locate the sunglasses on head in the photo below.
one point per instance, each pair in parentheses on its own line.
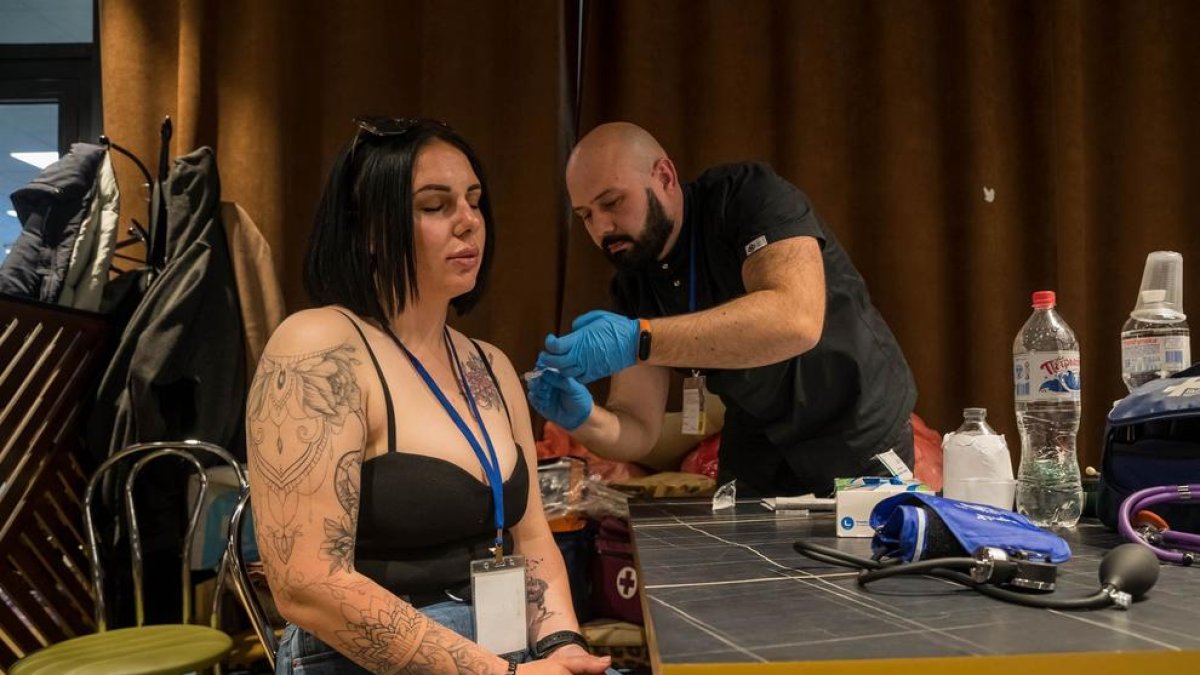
(390,127)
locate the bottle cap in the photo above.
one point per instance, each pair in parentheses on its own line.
(1043,299)
(1161,296)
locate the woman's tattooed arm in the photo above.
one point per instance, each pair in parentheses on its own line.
(306,430)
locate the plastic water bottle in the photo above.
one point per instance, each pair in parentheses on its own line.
(974,452)
(1156,341)
(1046,378)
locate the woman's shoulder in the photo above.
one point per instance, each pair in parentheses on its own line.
(495,356)
(312,330)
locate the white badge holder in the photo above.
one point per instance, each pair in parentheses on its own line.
(694,421)
(498,601)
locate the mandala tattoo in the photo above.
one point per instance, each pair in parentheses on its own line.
(347,479)
(443,651)
(314,395)
(371,634)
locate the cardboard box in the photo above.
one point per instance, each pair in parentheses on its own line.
(857,497)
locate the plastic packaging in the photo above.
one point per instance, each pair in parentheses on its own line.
(1156,340)
(975,458)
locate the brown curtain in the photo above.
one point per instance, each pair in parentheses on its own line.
(273,87)
(893,116)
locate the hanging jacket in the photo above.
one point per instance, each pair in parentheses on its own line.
(87,273)
(50,208)
(178,371)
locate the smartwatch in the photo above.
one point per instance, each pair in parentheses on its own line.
(643,342)
(553,641)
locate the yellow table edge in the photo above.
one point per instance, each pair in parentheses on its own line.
(1092,663)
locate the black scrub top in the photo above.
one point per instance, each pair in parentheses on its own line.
(790,427)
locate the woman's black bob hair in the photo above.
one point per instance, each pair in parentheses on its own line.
(360,252)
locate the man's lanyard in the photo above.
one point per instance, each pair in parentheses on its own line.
(491,465)
(662,309)
(692,271)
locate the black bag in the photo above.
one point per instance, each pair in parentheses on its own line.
(1152,439)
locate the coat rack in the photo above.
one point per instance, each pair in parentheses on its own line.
(154,234)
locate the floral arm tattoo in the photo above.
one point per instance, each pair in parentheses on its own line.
(306,430)
(295,408)
(478,377)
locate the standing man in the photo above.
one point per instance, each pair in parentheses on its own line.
(734,279)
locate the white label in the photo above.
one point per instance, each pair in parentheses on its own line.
(895,465)
(1161,355)
(1188,387)
(694,419)
(498,598)
(760,242)
(1046,376)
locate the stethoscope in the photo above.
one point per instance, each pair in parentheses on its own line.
(1144,527)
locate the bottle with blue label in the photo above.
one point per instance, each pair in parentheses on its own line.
(1046,394)
(1156,340)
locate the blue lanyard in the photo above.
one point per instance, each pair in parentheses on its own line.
(692,271)
(691,277)
(489,461)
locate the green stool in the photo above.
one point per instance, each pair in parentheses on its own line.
(147,650)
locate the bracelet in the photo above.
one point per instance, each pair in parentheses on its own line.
(512,668)
(562,638)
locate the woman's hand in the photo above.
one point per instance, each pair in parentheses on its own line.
(567,661)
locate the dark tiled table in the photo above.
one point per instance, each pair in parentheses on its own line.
(725,593)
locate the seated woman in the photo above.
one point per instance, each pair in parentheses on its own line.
(377,434)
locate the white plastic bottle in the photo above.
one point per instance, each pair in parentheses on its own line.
(1156,340)
(973,452)
(1046,393)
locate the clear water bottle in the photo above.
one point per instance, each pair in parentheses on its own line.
(1156,341)
(1046,379)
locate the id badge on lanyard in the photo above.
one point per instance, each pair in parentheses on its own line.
(498,599)
(498,602)
(694,421)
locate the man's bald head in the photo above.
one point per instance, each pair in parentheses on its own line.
(615,144)
(625,190)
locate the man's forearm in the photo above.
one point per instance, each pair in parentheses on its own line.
(615,434)
(757,329)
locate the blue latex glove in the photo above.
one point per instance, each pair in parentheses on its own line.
(600,343)
(561,400)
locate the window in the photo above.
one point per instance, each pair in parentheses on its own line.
(49,91)
(46,21)
(27,132)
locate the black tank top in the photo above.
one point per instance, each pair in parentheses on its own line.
(422,520)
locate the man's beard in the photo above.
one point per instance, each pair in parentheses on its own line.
(645,250)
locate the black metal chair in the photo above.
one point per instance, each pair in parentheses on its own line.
(156,649)
(242,585)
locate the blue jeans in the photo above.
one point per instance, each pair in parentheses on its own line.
(301,653)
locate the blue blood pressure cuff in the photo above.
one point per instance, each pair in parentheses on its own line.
(915,526)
